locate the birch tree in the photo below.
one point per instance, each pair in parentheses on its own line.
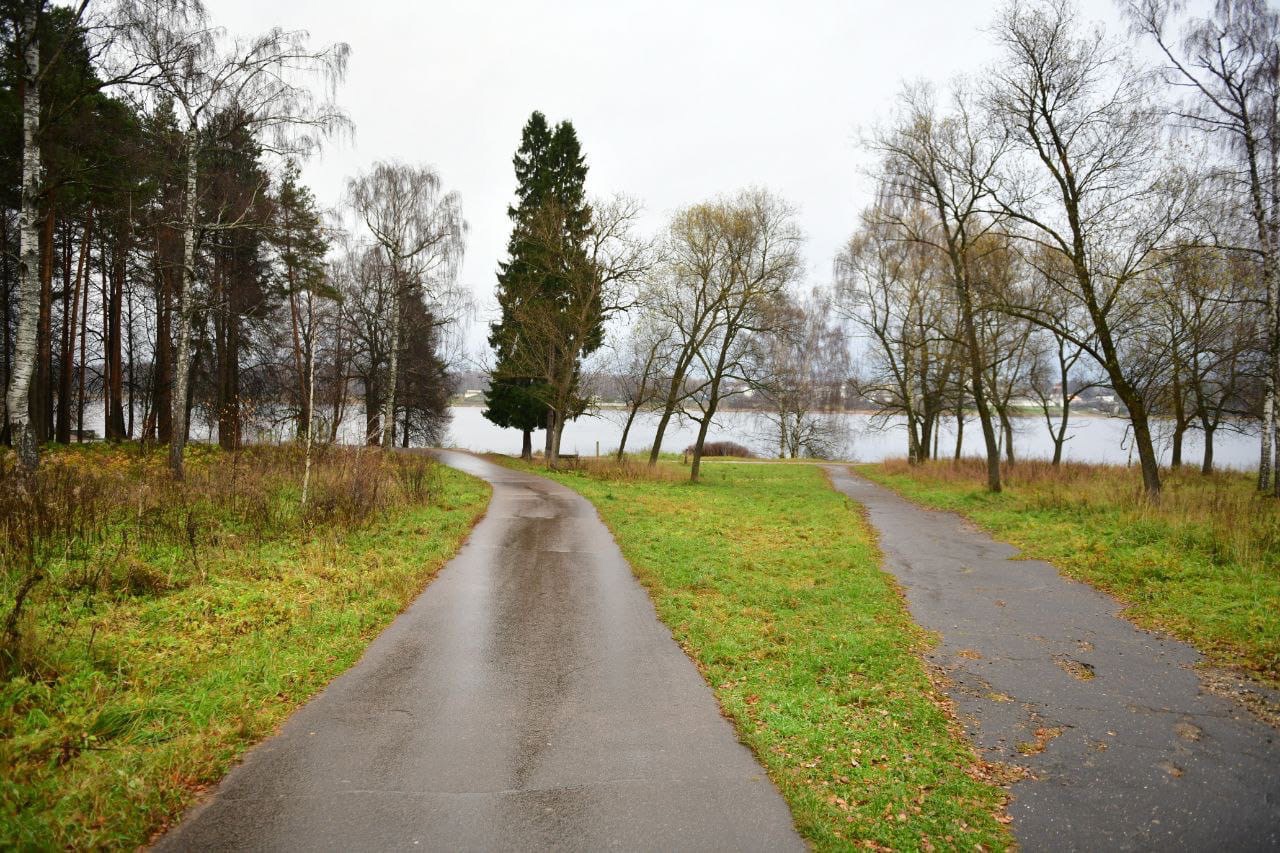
(806,366)
(265,81)
(1228,63)
(17,405)
(419,229)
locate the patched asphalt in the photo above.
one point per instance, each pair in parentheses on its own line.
(529,699)
(1135,754)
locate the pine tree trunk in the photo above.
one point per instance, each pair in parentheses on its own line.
(115,387)
(70,318)
(133,384)
(84,361)
(62,415)
(310,399)
(28,253)
(5,341)
(526,445)
(186,298)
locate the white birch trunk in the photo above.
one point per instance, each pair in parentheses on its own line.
(1269,377)
(17,402)
(1271,405)
(182,359)
(393,364)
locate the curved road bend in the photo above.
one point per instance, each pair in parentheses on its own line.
(1142,758)
(528,699)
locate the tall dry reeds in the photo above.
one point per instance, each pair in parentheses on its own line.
(1221,513)
(109,520)
(628,469)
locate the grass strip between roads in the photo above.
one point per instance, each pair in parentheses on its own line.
(1202,563)
(771,582)
(134,697)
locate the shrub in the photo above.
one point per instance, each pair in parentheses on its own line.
(723,448)
(99,518)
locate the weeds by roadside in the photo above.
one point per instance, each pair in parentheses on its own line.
(166,626)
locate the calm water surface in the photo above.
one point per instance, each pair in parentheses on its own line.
(866,439)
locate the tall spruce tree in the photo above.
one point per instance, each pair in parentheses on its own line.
(536,370)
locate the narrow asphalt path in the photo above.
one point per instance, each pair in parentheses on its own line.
(1136,756)
(529,699)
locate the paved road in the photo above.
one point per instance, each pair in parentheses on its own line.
(528,699)
(1145,759)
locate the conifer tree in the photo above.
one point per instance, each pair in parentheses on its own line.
(534,381)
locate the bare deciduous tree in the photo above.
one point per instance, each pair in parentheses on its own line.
(264,82)
(1229,63)
(943,163)
(419,229)
(806,365)
(1087,180)
(896,295)
(737,258)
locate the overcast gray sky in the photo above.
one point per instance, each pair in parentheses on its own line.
(674,102)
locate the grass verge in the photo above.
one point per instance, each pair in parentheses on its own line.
(176,625)
(1203,563)
(770,581)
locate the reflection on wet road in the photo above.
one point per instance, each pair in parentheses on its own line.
(528,699)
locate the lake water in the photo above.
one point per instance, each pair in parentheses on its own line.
(867,439)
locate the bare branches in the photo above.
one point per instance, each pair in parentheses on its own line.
(420,230)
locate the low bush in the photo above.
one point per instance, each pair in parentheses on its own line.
(723,448)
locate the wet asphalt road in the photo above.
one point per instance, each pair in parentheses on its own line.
(529,699)
(1145,759)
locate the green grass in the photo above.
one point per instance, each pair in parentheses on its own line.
(770,581)
(1202,564)
(134,700)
